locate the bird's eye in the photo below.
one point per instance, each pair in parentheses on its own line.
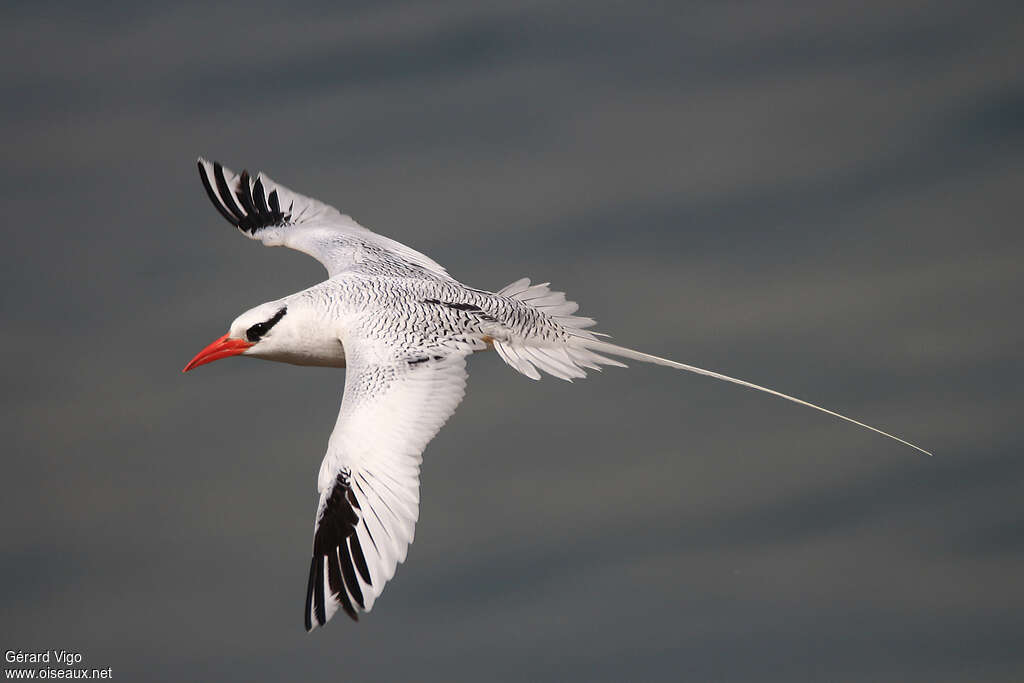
(256,332)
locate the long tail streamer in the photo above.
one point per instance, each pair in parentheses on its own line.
(623,352)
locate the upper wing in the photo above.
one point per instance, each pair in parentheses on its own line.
(270,212)
(369,480)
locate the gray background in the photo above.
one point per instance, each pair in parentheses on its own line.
(821,197)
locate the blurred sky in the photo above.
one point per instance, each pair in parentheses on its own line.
(822,197)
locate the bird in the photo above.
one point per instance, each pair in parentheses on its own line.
(402,328)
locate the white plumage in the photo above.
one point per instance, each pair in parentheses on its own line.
(403,328)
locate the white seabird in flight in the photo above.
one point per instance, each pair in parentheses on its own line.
(403,327)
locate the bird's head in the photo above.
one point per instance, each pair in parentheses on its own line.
(258,332)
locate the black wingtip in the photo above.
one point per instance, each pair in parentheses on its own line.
(348,571)
(309,595)
(246,207)
(335,570)
(226,197)
(258,194)
(359,559)
(244,194)
(213,195)
(336,543)
(319,601)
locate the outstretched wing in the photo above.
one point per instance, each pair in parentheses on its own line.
(369,479)
(271,213)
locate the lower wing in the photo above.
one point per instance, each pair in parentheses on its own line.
(369,479)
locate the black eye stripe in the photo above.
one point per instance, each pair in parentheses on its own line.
(256,332)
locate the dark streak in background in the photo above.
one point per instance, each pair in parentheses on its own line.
(821,198)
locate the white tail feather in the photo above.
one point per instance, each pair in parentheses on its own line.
(567,362)
(548,302)
(622,351)
(528,356)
